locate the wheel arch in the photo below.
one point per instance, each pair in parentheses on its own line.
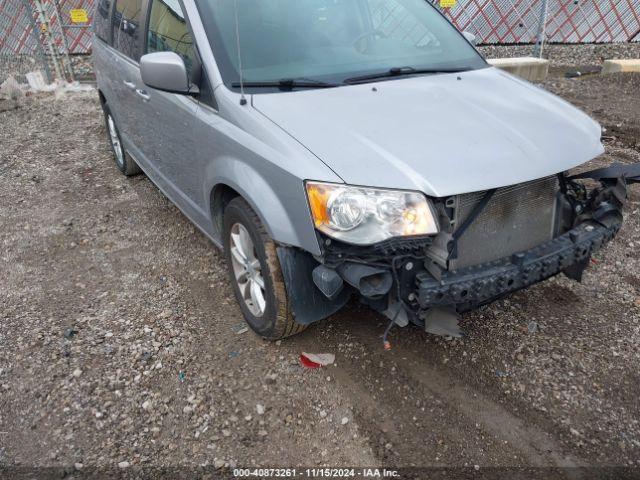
(220,196)
(279,203)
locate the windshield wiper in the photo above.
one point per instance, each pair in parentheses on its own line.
(402,71)
(288,84)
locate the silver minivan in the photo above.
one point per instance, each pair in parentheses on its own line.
(352,148)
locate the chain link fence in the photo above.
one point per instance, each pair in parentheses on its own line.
(21,49)
(50,36)
(54,36)
(559,21)
(75,21)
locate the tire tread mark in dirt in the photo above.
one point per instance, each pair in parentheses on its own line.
(536,446)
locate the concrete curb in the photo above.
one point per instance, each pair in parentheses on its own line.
(530,68)
(617,66)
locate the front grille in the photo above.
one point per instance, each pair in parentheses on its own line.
(517,218)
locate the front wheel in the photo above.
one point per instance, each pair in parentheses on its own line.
(254,271)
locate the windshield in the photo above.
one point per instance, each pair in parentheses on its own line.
(331,40)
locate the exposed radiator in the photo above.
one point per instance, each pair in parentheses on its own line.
(517,218)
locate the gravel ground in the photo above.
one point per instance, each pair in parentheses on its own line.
(121,345)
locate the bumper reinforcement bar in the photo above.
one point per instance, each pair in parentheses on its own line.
(478,284)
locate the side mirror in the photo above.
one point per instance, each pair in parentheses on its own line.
(164,71)
(471,38)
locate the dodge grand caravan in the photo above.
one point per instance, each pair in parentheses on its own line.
(340,148)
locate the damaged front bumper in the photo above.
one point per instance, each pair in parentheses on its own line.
(569,253)
(401,279)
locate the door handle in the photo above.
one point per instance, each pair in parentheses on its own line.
(144,95)
(129,85)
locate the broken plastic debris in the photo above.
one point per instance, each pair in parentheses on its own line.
(240,328)
(181,376)
(37,83)
(316,360)
(443,321)
(308,363)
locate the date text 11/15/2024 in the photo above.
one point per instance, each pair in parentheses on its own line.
(312,473)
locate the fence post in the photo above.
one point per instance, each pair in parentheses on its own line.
(44,21)
(542,29)
(65,42)
(36,40)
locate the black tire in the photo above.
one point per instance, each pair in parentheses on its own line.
(277,321)
(123,160)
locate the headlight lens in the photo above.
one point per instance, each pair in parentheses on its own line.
(364,216)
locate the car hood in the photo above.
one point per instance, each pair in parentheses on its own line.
(439,134)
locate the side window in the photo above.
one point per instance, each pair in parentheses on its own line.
(127,21)
(102,25)
(168,32)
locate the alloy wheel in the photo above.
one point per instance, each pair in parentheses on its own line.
(247,270)
(115,141)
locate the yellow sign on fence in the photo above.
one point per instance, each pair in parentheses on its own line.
(448,3)
(79,15)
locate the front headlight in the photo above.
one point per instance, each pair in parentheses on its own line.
(364,216)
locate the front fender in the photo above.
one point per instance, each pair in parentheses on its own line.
(280,202)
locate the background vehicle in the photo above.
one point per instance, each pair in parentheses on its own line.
(380,160)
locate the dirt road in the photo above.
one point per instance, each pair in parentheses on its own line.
(119,341)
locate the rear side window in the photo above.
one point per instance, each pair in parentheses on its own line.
(127,25)
(168,32)
(102,25)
